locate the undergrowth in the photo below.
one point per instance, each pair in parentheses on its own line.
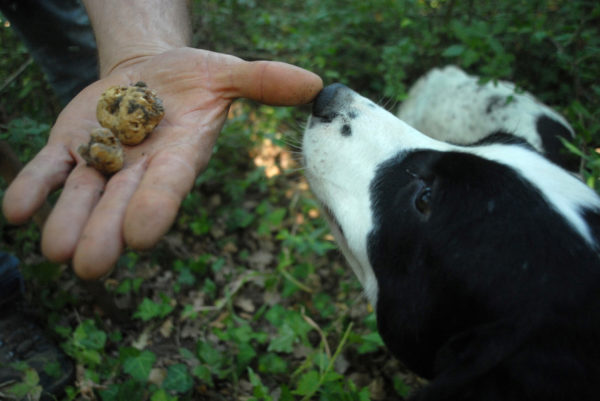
(247,298)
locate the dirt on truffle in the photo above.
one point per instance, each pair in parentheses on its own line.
(103,151)
(130,112)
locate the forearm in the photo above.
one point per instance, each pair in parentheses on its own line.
(131,29)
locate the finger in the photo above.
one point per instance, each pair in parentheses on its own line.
(274,83)
(63,228)
(44,173)
(101,242)
(169,178)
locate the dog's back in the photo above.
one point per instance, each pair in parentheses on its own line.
(451,106)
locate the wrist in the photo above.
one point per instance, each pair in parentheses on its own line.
(128,31)
(127,57)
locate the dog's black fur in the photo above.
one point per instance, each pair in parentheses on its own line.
(491,294)
(485,284)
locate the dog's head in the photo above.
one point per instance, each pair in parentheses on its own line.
(443,237)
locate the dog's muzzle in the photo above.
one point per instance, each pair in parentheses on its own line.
(330,100)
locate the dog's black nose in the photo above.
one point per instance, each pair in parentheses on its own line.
(330,100)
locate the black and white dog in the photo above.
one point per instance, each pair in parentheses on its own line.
(476,245)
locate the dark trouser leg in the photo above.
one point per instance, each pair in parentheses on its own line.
(59,36)
(11,281)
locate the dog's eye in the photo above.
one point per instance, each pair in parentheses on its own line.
(423,200)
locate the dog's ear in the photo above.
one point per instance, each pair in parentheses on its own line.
(553,133)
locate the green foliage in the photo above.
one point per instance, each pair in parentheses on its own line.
(259,390)
(86,344)
(140,365)
(29,386)
(162,395)
(247,296)
(380,47)
(26,136)
(149,309)
(178,379)
(28,106)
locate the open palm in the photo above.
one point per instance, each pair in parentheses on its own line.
(94,217)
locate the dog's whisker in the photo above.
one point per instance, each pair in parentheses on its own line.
(291,171)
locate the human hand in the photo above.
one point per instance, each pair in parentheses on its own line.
(95,217)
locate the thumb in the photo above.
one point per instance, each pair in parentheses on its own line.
(273,83)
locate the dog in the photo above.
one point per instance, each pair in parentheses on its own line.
(472,237)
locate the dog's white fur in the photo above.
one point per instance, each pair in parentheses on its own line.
(451,106)
(340,169)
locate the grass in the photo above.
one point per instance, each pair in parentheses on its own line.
(247,298)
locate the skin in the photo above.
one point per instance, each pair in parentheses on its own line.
(95,218)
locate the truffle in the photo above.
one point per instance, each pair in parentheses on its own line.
(103,152)
(130,112)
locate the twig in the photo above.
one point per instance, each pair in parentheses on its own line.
(291,278)
(315,326)
(331,362)
(221,302)
(16,74)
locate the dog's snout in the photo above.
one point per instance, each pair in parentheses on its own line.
(330,100)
